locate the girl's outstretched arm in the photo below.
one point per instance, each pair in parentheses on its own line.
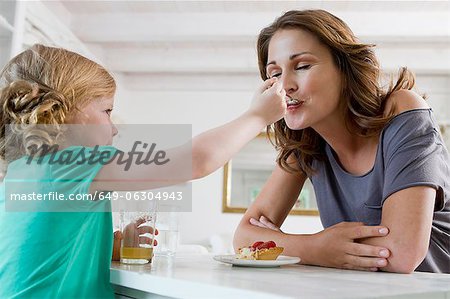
(207,151)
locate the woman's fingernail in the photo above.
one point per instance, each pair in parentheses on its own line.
(381,262)
(383,230)
(384,253)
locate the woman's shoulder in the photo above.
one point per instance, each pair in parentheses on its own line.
(411,119)
(404,100)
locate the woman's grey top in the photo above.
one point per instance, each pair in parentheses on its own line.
(410,153)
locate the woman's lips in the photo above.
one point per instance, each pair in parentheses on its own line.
(292,107)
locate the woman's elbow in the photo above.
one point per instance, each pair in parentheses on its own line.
(402,267)
(405,260)
(239,239)
(236,244)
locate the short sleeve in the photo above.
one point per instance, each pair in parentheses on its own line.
(58,181)
(80,164)
(415,155)
(76,168)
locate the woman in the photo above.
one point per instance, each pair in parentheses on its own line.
(374,156)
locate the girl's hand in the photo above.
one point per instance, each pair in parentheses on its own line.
(269,101)
(133,237)
(338,247)
(133,234)
(116,246)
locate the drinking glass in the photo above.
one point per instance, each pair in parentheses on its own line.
(137,236)
(167,224)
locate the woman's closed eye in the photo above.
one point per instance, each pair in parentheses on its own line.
(275,75)
(303,67)
(298,68)
(108,111)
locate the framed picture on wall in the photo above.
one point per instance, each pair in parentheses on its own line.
(245,175)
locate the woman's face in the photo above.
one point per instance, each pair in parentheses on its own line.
(94,125)
(309,76)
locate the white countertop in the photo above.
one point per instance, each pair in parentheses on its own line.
(202,277)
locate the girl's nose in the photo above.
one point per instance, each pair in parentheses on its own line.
(114,130)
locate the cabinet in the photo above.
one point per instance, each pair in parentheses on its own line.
(10,26)
(24,23)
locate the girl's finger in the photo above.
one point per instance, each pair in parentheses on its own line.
(267,84)
(144,240)
(118,235)
(278,87)
(146,229)
(140,220)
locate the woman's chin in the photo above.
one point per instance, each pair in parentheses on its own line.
(295,124)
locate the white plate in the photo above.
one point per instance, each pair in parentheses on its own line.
(281,260)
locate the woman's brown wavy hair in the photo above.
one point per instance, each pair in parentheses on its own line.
(41,86)
(361,88)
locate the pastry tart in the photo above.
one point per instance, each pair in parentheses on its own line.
(260,251)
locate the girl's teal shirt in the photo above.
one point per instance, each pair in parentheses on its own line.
(64,252)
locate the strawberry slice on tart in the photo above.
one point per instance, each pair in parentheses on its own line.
(260,251)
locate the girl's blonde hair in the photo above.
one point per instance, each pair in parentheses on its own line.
(365,98)
(41,86)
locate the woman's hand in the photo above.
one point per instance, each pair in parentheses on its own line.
(264,223)
(134,235)
(269,101)
(338,247)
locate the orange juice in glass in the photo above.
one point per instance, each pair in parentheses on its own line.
(137,237)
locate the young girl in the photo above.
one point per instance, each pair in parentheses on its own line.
(374,156)
(57,254)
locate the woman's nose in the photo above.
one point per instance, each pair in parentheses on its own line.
(289,84)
